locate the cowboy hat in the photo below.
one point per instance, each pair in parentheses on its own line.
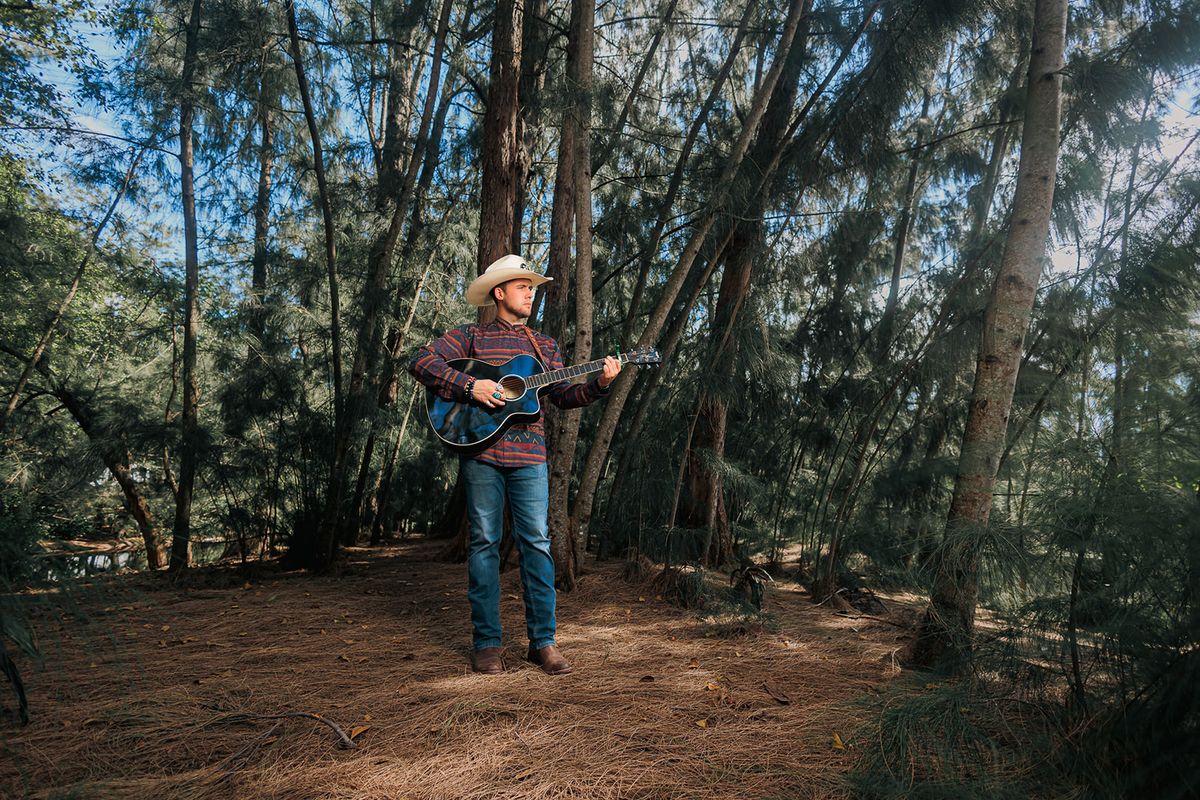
(505,268)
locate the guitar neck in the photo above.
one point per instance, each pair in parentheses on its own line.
(567,373)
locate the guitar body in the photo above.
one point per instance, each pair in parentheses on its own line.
(469,428)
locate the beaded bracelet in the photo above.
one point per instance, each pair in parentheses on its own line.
(470,388)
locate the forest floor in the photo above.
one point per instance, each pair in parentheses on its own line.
(154,690)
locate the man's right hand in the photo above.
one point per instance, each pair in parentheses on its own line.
(488,393)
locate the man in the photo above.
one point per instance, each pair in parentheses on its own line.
(514,466)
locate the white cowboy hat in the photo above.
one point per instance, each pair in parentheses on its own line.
(505,268)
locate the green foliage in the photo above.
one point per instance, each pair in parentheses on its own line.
(21,529)
(953,740)
(34,37)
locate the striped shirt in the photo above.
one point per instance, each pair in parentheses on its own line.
(497,341)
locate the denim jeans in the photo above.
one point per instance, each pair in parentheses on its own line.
(528,494)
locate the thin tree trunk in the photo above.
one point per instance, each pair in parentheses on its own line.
(425,153)
(397,116)
(52,326)
(900,240)
(567,547)
(373,520)
(562,218)
(190,430)
(117,461)
(706,504)
(585,497)
(262,223)
(948,627)
(534,48)
(433,151)
(326,532)
(650,252)
(376,146)
(635,90)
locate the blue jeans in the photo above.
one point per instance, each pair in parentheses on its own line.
(528,493)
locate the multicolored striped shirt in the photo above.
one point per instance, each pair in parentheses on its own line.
(497,341)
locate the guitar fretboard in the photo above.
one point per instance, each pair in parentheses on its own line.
(567,373)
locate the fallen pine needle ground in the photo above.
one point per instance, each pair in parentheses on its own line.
(358,686)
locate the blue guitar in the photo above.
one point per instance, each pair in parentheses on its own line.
(469,427)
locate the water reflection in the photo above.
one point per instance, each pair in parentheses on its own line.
(84,565)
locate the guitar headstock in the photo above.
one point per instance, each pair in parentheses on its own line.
(644,356)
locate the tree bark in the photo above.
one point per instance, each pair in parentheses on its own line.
(900,239)
(190,430)
(567,548)
(535,46)
(499,158)
(497,199)
(948,626)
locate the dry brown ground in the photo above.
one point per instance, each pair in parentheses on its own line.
(142,683)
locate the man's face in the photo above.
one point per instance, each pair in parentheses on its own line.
(516,297)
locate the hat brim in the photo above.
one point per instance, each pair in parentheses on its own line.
(479,293)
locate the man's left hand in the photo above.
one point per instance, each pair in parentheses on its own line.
(612,367)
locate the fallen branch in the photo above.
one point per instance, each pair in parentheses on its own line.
(827,599)
(877,619)
(344,740)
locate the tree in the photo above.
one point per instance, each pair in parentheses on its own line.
(190,428)
(950,620)
(577,201)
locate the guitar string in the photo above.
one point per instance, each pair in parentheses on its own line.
(566,373)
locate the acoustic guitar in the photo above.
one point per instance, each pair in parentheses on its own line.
(470,427)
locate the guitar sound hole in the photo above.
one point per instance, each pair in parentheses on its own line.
(513,387)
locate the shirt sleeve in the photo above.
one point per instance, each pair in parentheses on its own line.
(567,394)
(430,368)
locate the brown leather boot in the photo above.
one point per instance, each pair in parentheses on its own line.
(550,660)
(488,660)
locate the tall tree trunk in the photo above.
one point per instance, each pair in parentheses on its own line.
(190,430)
(567,549)
(262,224)
(586,495)
(433,151)
(883,341)
(425,155)
(666,206)
(949,623)
(635,90)
(326,541)
(374,516)
(398,112)
(706,502)
(391,202)
(501,145)
(497,198)
(535,46)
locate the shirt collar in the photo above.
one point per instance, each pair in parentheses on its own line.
(505,326)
